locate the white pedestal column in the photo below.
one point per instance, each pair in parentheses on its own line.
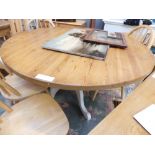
(80,96)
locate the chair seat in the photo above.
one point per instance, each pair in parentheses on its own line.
(39,114)
(24,87)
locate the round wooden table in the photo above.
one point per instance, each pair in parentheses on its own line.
(24,55)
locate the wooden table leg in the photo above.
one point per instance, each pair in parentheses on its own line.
(80,96)
(53,91)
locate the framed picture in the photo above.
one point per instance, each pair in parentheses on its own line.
(103,37)
(72,42)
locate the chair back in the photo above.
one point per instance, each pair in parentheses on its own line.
(5,107)
(144,34)
(6,88)
(20,25)
(16,26)
(30,24)
(45,23)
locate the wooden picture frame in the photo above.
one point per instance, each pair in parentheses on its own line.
(101,37)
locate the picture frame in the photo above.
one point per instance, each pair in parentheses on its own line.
(116,39)
(72,43)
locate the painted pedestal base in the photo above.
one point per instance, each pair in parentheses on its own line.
(80,97)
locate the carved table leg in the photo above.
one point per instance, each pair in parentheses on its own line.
(53,91)
(80,96)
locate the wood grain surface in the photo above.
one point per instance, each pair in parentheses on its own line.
(39,114)
(24,55)
(120,120)
(18,88)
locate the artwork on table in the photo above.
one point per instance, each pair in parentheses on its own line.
(72,42)
(115,39)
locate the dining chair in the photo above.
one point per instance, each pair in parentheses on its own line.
(24,87)
(37,115)
(30,24)
(45,23)
(16,26)
(143,34)
(4,29)
(20,25)
(146,36)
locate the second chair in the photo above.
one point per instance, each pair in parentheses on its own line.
(144,35)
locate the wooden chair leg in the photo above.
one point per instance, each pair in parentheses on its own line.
(94,96)
(1,120)
(4,38)
(117,101)
(122,93)
(1,76)
(13,102)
